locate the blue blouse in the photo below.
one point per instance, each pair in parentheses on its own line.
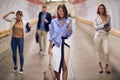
(57,31)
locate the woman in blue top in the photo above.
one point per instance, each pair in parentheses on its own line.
(60,30)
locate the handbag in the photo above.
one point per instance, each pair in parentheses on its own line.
(28,27)
(106,27)
(49,73)
(37,37)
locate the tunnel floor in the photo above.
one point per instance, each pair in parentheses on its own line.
(83,60)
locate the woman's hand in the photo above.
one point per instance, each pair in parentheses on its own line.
(12,12)
(104,22)
(68,22)
(6,15)
(107,29)
(50,48)
(68,25)
(49,52)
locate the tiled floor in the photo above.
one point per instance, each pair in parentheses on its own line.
(83,60)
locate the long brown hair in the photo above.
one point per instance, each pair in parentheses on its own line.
(64,10)
(105,11)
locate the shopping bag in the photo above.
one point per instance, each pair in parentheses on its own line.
(49,73)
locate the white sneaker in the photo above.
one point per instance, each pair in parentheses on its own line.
(15,69)
(21,71)
(44,53)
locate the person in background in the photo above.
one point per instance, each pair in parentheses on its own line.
(60,30)
(17,40)
(102,25)
(44,19)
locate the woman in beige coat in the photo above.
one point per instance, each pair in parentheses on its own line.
(102,26)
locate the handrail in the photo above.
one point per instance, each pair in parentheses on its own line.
(81,19)
(90,22)
(4,33)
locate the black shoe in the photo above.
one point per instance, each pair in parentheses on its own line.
(100,71)
(108,72)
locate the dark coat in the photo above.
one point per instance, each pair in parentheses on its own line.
(48,17)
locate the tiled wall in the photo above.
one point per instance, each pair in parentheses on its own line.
(88,10)
(52,8)
(4,44)
(30,11)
